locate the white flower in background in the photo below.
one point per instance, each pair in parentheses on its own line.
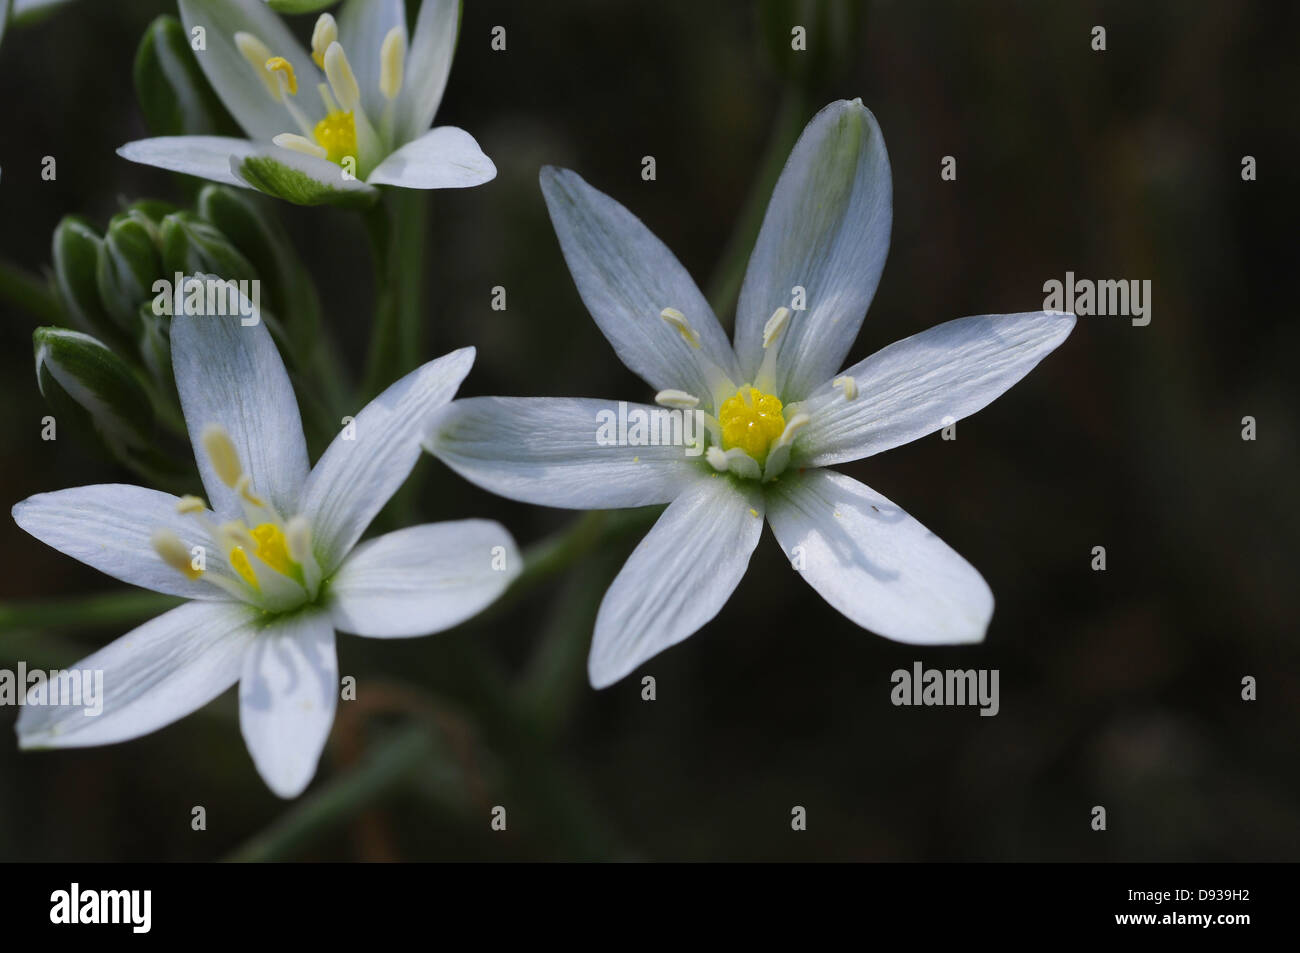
(273,568)
(776,410)
(329,125)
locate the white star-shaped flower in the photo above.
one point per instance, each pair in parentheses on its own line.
(776,410)
(329,125)
(273,568)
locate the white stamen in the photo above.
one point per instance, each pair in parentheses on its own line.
(677,398)
(342,80)
(297,537)
(323,34)
(392,62)
(173,552)
(846,384)
(190,504)
(775,325)
(683,327)
(717,458)
(778,456)
(287,140)
(257,53)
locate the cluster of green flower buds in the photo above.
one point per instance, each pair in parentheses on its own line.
(111,368)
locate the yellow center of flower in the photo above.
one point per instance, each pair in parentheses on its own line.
(337,135)
(272,549)
(751,420)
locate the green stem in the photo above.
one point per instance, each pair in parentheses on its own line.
(396,228)
(550,557)
(724,287)
(391,764)
(108,609)
(28,292)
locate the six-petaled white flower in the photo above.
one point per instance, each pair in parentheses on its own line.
(776,411)
(332,124)
(273,568)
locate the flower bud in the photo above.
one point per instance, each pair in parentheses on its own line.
(192,246)
(76,250)
(174,96)
(129,262)
(82,379)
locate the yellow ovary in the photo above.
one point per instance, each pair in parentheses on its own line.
(272,550)
(337,135)
(751,420)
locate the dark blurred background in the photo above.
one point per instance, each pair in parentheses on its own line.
(1119,688)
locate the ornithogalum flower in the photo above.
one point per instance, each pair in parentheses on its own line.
(774,410)
(329,125)
(272,568)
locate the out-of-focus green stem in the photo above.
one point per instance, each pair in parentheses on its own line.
(103,609)
(387,767)
(396,227)
(724,286)
(548,558)
(28,292)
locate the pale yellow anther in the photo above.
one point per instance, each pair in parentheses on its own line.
(683,327)
(847,385)
(392,62)
(283,72)
(190,504)
(297,534)
(717,459)
(221,451)
(677,398)
(342,80)
(174,553)
(775,325)
(244,487)
(257,53)
(289,140)
(323,34)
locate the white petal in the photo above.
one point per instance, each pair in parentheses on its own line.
(827,231)
(241,90)
(363,24)
(925,382)
(366,463)
(154,675)
(874,563)
(428,63)
(208,157)
(423,579)
(546,450)
(442,158)
(627,277)
(678,577)
(287,695)
(109,527)
(232,375)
